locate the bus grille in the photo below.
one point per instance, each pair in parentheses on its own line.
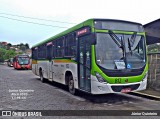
(119,88)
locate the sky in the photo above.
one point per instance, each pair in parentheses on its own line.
(18,23)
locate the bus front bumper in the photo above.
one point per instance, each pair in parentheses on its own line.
(104,88)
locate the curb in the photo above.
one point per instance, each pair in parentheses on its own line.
(148,96)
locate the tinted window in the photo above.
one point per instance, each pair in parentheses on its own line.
(70,45)
(60,47)
(34,53)
(53,48)
(42,51)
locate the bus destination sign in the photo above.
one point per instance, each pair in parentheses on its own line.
(49,43)
(83,31)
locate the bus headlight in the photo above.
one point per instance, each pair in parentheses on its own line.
(99,77)
(145,76)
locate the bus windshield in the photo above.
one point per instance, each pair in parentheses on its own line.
(23,60)
(110,56)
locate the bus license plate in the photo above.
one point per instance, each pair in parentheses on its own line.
(126,90)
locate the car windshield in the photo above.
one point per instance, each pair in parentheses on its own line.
(23,60)
(110,56)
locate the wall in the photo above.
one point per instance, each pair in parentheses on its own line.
(154,71)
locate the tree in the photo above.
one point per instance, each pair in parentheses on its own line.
(8,46)
(27,46)
(154,48)
(2,53)
(21,44)
(9,54)
(6,53)
(23,48)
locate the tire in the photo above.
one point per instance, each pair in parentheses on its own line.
(71,87)
(41,76)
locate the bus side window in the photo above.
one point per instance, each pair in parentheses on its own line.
(60,47)
(42,51)
(70,45)
(34,53)
(53,48)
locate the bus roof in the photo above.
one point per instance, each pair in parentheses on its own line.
(88,22)
(85,23)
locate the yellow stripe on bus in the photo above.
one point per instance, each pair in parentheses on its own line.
(34,61)
(62,61)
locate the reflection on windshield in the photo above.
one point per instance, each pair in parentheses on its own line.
(135,56)
(23,60)
(110,56)
(107,51)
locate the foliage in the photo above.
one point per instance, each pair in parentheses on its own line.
(6,54)
(27,46)
(9,50)
(154,48)
(8,46)
(2,53)
(23,47)
(9,54)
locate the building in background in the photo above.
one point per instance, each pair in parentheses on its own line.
(153,41)
(152,32)
(3,43)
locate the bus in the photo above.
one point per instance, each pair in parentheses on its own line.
(21,62)
(97,56)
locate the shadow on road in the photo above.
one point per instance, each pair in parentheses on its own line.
(103,98)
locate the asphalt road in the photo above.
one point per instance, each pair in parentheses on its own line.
(22,90)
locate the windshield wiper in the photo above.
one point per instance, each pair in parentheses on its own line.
(129,46)
(118,41)
(115,39)
(131,41)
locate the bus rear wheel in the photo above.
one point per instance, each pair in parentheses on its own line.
(71,87)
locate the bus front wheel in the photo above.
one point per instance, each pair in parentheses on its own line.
(71,87)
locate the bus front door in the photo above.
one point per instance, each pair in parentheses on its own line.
(84,56)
